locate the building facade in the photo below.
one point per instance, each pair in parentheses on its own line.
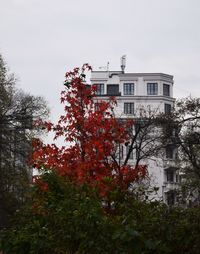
(140,96)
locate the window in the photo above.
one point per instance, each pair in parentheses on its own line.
(152,88)
(168,108)
(169,152)
(138,153)
(170,175)
(166,90)
(129,108)
(177,178)
(170,198)
(129,89)
(113,90)
(120,152)
(170,130)
(96,106)
(100,89)
(127,151)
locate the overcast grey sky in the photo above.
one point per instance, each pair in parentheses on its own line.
(42,39)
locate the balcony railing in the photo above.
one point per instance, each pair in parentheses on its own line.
(169,186)
(170,163)
(109,95)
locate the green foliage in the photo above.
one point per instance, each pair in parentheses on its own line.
(73,219)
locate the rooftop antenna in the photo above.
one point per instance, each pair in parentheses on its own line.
(108,66)
(123,63)
(105,67)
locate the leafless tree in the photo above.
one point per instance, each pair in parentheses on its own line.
(18,110)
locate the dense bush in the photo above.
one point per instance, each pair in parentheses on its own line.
(72,219)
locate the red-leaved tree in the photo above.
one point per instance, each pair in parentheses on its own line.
(92,134)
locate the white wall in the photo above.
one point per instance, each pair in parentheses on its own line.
(142,103)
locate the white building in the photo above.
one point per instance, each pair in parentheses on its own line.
(140,94)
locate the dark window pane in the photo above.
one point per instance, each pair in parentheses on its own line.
(96,106)
(166,90)
(120,152)
(129,108)
(168,108)
(127,151)
(113,90)
(129,89)
(99,89)
(152,88)
(170,198)
(169,152)
(170,175)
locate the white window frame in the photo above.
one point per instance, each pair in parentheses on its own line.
(166,89)
(129,108)
(129,88)
(100,88)
(152,88)
(167,108)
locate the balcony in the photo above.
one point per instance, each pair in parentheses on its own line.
(109,94)
(170,186)
(113,90)
(170,163)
